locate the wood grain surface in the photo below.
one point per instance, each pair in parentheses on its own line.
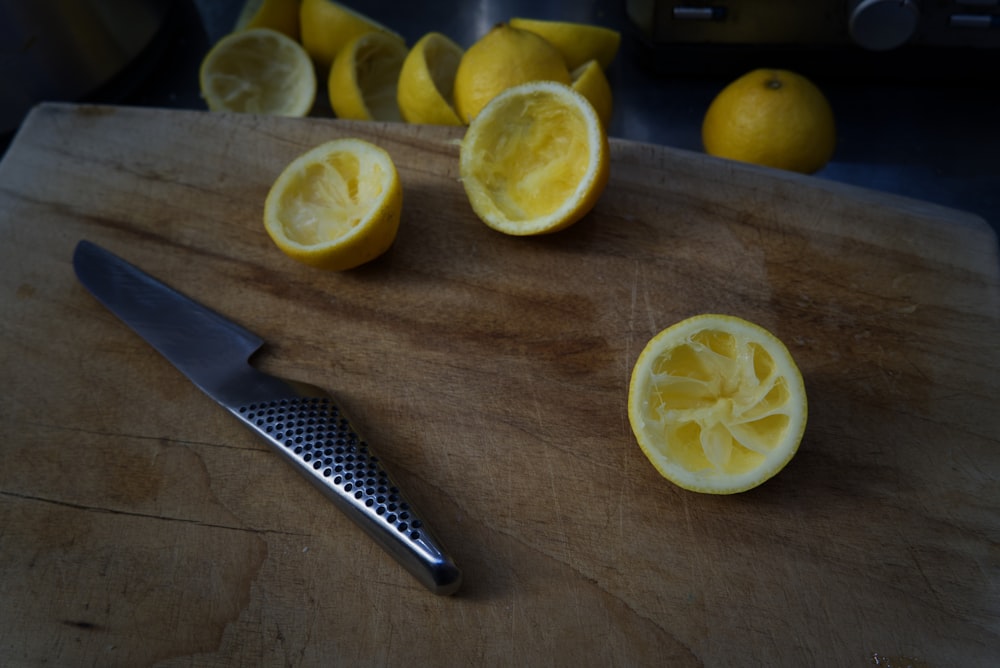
(140,524)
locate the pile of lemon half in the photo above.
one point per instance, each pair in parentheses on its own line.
(533,95)
(371,73)
(716,403)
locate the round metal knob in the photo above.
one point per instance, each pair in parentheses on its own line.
(880,25)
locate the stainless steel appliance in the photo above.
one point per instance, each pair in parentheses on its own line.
(947,40)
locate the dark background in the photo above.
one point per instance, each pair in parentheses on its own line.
(922,124)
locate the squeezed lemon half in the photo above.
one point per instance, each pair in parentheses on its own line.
(589,80)
(363,79)
(336,206)
(717,404)
(427,81)
(259,71)
(577,42)
(326,27)
(280,15)
(535,160)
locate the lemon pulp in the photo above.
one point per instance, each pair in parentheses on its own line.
(527,184)
(328,199)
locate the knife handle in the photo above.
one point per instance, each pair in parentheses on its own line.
(311,432)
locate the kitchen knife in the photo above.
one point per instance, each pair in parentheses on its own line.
(302,423)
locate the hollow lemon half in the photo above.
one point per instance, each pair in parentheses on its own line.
(717,404)
(280,15)
(589,80)
(326,27)
(363,80)
(535,159)
(577,42)
(336,206)
(259,71)
(427,80)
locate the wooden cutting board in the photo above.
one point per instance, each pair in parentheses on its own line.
(140,523)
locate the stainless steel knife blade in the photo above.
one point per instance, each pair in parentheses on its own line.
(302,423)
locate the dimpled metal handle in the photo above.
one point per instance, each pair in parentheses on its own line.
(312,433)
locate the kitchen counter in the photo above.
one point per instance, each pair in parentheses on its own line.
(933,140)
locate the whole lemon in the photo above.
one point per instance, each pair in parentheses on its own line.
(774,118)
(504,57)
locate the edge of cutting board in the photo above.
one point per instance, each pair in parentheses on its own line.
(977,242)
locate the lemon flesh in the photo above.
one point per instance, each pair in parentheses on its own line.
(717,404)
(336,206)
(545,176)
(329,199)
(535,160)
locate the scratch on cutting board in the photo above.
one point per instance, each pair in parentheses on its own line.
(636,294)
(151,516)
(622,493)
(918,564)
(638,290)
(557,510)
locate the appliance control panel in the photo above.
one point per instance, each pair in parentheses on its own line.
(872,25)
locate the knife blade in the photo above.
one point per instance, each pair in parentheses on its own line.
(304,424)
